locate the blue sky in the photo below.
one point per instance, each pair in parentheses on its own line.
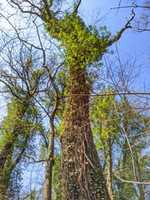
(132,44)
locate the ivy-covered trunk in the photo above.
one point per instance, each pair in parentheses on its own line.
(3,184)
(82,176)
(3,190)
(16,124)
(12,127)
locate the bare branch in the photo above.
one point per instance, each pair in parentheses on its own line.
(17,4)
(131,182)
(77,6)
(132,6)
(119,34)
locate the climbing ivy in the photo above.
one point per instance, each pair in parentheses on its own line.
(17,122)
(83,45)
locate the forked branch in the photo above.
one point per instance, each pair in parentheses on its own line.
(119,34)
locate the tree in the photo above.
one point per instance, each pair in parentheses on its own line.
(129,163)
(17,123)
(82,176)
(55,101)
(24,77)
(105,126)
(133,125)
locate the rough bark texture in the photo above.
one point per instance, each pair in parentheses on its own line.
(82,176)
(3,187)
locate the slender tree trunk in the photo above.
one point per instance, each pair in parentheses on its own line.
(49,171)
(139,178)
(3,186)
(50,163)
(109,168)
(137,166)
(122,167)
(48,182)
(82,175)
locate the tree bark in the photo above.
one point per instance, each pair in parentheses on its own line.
(50,162)
(49,170)
(109,168)
(3,192)
(82,175)
(139,178)
(48,182)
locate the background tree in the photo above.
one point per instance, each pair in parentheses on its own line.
(23,85)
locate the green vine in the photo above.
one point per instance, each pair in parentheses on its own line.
(83,45)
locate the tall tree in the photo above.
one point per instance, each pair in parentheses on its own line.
(16,123)
(82,176)
(133,123)
(105,126)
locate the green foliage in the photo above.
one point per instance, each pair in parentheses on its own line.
(104,117)
(132,166)
(37,73)
(11,121)
(32,195)
(17,127)
(19,121)
(104,33)
(83,45)
(56,178)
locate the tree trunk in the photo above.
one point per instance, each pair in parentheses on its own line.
(139,178)
(49,171)
(109,168)
(50,163)
(3,187)
(48,182)
(7,150)
(82,175)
